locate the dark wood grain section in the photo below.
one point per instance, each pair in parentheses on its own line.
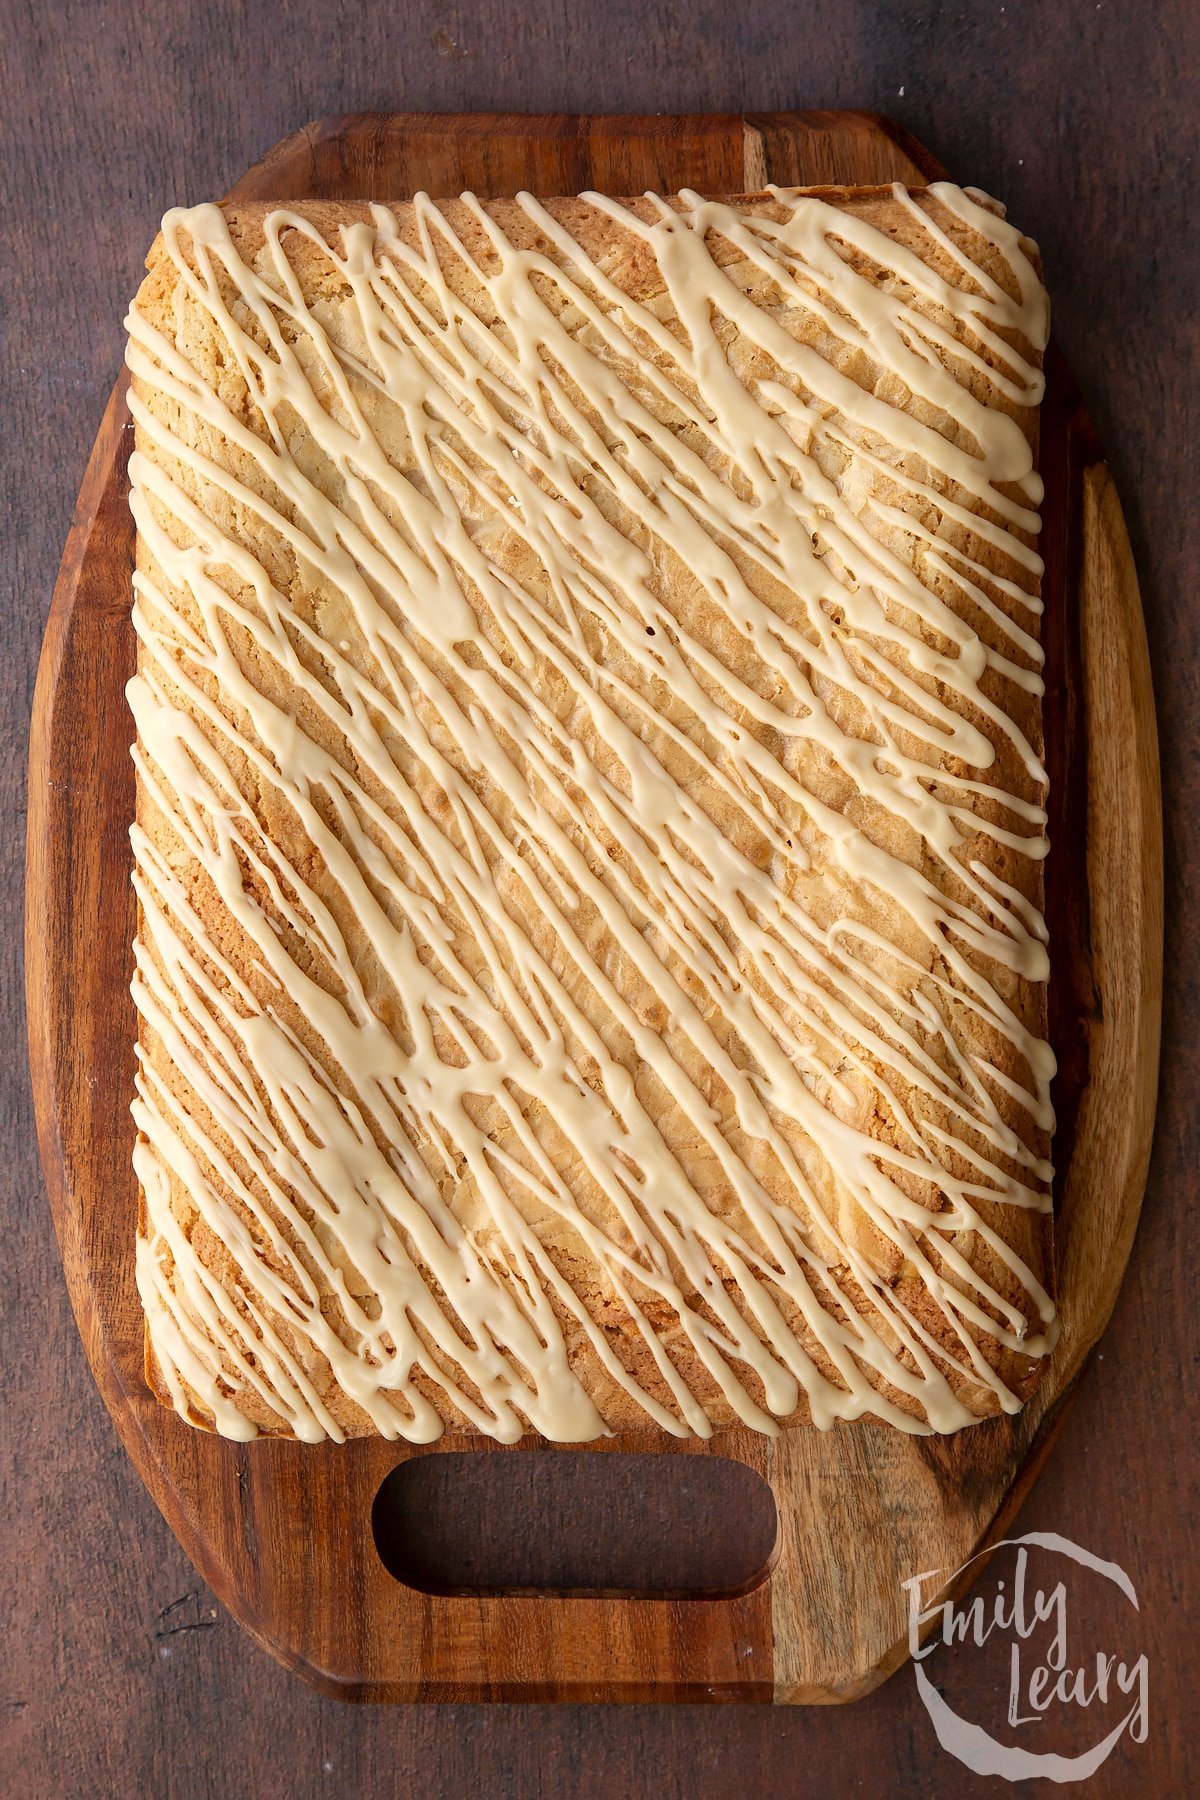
(120,1674)
(390,156)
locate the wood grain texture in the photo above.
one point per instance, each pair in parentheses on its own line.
(830,1622)
(121,1674)
(390,155)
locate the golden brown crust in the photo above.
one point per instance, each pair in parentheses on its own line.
(627,262)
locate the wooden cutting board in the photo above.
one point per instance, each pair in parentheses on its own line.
(282,1532)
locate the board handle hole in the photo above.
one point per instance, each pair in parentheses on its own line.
(614,1525)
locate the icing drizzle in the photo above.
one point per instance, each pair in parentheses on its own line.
(587,866)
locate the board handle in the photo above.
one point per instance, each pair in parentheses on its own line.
(636,1526)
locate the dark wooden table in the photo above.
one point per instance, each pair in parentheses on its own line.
(116,1675)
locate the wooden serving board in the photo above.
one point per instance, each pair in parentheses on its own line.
(282,1532)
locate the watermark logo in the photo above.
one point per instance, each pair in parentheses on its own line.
(1040,1680)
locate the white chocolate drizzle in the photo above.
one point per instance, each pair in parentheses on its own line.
(455,676)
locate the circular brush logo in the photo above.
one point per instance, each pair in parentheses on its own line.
(1026,1622)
